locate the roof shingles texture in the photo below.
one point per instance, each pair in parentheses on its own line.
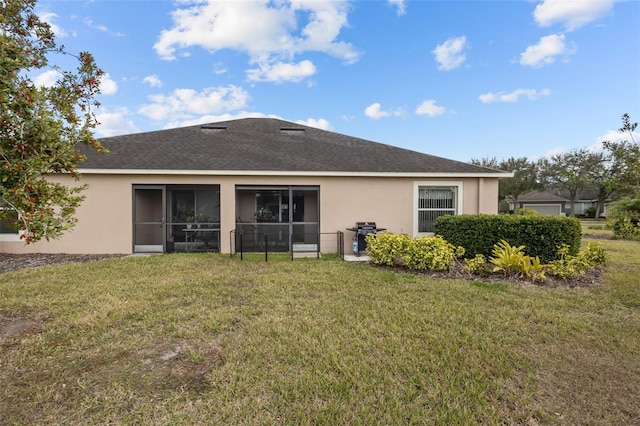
(261,144)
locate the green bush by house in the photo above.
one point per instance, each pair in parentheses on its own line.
(437,254)
(420,253)
(542,235)
(624,218)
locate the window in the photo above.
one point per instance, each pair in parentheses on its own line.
(9,225)
(8,222)
(435,199)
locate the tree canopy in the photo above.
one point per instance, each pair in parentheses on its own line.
(570,171)
(624,159)
(609,174)
(525,175)
(41,127)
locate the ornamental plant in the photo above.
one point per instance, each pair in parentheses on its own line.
(420,254)
(430,254)
(476,265)
(386,248)
(624,218)
(568,265)
(41,127)
(512,260)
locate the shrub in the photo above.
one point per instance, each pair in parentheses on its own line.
(423,253)
(590,212)
(624,218)
(523,211)
(594,254)
(567,265)
(386,248)
(542,235)
(477,265)
(430,253)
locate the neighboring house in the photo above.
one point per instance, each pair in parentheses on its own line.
(581,207)
(200,187)
(542,202)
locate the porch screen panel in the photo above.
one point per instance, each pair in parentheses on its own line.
(434,202)
(207,206)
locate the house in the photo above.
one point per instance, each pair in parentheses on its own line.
(542,202)
(258,181)
(557,204)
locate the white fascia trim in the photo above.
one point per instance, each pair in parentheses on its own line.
(287,173)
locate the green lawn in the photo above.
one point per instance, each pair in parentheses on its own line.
(207,339)
(592,228)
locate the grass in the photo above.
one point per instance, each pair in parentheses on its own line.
(595,228)
(192,339)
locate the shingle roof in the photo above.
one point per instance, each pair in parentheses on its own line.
(540,196)
(264,144)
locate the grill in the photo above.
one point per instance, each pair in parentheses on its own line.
(362,229)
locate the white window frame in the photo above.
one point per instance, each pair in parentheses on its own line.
(458,185)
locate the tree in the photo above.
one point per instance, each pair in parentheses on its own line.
(41,127)
(603,178)
(525,175)
(624,158)
(618,174)
(570,171)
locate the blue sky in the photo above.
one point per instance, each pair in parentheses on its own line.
(457,79)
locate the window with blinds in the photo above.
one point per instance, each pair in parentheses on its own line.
(434,202)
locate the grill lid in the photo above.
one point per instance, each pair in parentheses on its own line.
(366,225)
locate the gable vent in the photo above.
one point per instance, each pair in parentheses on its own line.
(292,129)
(213,127)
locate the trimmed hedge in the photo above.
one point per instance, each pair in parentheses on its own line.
(541,235)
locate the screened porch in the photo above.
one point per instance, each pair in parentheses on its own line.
(277,219)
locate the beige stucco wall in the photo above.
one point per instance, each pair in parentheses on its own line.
(105,217)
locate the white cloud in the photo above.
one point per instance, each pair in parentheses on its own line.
(113,123)
(47,78)
(375,111)
(546,51)
(319,123)
(48,17)
(449,55)
(152,80)
(573,14)
(430,108)
(89,23)
(219,68)
(185,104)
(614,136)
(267,31)
(400,5)
(514,96)
(553,151)
(107,85)
(280,72)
